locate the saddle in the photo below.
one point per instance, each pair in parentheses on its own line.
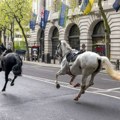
(71,56)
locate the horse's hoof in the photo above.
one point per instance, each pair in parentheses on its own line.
(3,90)
(0,69)
(83,92)
(12,84)
(76,98)
(70,83)
(57,86)
(77,85)
(91,84)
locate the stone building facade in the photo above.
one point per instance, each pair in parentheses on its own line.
(79,29)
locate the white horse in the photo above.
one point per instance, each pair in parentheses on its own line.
(87,63)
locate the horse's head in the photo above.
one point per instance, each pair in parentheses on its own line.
(58,52)
(63,48)
(2,48)
(17,69)
(6,52)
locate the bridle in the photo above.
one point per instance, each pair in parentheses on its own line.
(59,48)
(59,53)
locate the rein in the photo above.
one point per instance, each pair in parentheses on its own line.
(60,53)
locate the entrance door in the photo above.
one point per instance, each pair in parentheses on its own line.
(74,37)
(99,39)
(55,41)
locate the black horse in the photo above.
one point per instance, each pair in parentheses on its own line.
(10,61)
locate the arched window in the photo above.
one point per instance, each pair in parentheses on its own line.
(73,38)
(55,40)
(99,38)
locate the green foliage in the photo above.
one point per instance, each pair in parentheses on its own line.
(16,12)
(19,45)
(9,9)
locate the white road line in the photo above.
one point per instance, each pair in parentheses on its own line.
(97,88)
(98,92)
(112,89)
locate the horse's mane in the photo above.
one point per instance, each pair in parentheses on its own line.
(66,44)
(6,52)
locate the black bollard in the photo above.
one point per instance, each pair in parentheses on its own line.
(54,60)
(117,64)
(48,58)
(43,57)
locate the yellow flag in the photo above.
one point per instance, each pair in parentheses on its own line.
(87,6)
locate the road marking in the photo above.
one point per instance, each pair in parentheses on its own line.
(112,89)
(66,85)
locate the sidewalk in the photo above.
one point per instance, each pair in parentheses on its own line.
(50,64)
(43,64)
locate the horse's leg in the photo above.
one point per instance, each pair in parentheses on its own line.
(83,86)
(91,81)
(12,83)
(72,79)
(71,82)
(6,80)
(57,74)
(62,71)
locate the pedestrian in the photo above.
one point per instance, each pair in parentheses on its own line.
(83,48)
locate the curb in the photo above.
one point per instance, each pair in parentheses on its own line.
(43,64)
(51,65)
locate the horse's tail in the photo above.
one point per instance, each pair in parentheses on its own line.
(109,68)
(17,68)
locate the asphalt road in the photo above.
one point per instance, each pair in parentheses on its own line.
(34,97)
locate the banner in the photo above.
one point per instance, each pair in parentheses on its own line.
(63,15)
(44,18)
(33,21)
(87,6)
(116,5)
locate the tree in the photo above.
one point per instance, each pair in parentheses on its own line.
(20,11)
(6,22)
(107,29)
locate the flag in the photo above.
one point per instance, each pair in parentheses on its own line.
(87,6)
(116,5)
(33,21)
(32,25)
(63,15)
(44,18)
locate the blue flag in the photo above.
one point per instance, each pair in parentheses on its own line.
(32,25)
(116,5)
(44,18)
(33,21)
(63,15)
